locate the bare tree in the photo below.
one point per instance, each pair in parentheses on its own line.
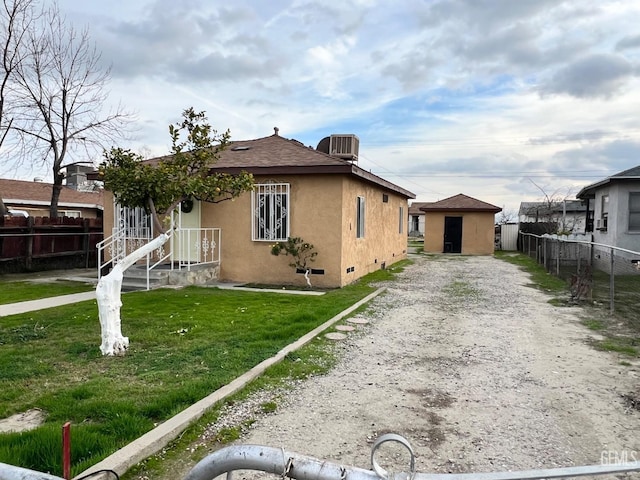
(506,216)
(62,91)
(16,18)
(549,212)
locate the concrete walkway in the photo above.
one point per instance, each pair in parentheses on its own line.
(31,305)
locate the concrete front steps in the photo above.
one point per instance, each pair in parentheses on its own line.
(135,278)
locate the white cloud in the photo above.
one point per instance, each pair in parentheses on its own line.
(443,93)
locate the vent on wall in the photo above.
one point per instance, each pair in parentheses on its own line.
(344,146)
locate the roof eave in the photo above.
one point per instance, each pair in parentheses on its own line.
(460,209)
(590,190)
(347,169)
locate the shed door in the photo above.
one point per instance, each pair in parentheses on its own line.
(452,235)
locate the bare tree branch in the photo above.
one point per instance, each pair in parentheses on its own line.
(62,92)
(16,17)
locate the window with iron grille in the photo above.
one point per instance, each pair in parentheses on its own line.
(634,211)
(270,207)
(360,217)
(401,220)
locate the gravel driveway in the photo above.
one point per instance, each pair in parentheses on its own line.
(476,369)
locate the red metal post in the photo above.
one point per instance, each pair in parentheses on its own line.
(66,450)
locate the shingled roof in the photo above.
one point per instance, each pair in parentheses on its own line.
(590,190)
(20,192)
(461,203)
(277,155)
(416,207)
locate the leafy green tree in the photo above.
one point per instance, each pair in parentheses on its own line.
(159,187)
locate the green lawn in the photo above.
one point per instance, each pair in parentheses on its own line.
(185,344)
(13,292)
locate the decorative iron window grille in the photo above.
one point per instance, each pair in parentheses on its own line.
(270,207)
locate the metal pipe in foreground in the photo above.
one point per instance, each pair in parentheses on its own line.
(273,460)
(292,465)
(11,472)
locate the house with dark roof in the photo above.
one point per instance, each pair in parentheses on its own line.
(460,224)
(357,221)
(565,216)
(616,205)
(34,199)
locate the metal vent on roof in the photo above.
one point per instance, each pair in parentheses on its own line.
(240,148)
(344,146)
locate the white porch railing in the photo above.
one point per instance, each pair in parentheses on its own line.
(196,246)
(186,248)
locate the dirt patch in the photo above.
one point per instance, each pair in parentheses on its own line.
(21,422)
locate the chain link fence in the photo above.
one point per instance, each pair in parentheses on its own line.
(595,272)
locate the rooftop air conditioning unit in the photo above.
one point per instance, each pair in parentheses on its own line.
(344,146)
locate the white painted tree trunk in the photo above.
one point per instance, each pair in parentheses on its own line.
(306,276)
(108,293)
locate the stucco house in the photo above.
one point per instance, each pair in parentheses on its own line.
(460,224)
(34,199)
(356,220)
(616,205)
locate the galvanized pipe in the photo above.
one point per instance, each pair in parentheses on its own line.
(11,472)
(292,465)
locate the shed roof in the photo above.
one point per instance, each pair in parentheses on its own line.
(20,192)
(461,203)
(590,190)
(415,207)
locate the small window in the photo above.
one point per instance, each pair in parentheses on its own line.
(69,213)
(401,220)
(604,213)
(385,198)
(634,212)
(270,207)
(360,217)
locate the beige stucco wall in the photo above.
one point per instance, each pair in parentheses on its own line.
(478,234)
(383,243)
(315,216)
(323,213)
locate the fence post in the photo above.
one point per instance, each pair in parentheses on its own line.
(29,251)
(612,285)
(85,241)
(559,244)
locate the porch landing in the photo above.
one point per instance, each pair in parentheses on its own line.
(135,278)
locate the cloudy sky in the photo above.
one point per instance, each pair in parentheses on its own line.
(482,97)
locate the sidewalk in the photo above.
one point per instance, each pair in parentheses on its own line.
(31,305)
(76,275)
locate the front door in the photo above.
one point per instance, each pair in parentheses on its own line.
(187,243)
(452,235)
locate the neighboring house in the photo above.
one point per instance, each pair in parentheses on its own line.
(616,205)
(569,216)
(416,219)
(356,220)
(34,199)
(460,224)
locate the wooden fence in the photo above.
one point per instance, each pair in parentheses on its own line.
(43,243)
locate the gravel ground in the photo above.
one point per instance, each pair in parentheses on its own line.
(476,369)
